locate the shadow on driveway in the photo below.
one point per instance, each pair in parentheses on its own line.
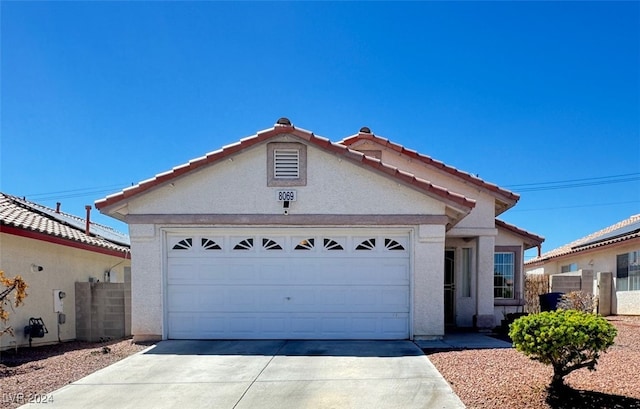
(386,349)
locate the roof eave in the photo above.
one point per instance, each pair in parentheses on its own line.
(112,203)
(530,240)
(573,251)
(505,199)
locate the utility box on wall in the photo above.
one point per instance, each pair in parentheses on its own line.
(58,303)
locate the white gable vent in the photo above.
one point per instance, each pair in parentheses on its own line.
(286,163)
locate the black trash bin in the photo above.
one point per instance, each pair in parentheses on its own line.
(549,301)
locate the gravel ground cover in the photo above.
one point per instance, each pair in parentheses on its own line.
(490,378)
(505,378)
(31,373)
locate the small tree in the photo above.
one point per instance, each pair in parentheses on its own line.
(10,284)
(565,339)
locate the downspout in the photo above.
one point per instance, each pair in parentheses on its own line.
(539,250)
(86,229)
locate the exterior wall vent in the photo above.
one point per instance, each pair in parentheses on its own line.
(286,163)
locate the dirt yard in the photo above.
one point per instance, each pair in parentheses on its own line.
(30,374)
(505,378)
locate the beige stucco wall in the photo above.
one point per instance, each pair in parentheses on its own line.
(239,186)
(627,303)
(599,260)
(428,302)
(62,267)
(147,282)
(482,215)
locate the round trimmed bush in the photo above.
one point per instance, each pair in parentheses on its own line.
(565,339)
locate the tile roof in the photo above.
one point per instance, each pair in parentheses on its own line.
(507,196)
(447,196)
(601,238)
(531,239)
(31,217)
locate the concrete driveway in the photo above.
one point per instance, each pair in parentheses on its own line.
(265,374)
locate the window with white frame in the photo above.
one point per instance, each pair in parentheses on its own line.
(628,271)
(504,267)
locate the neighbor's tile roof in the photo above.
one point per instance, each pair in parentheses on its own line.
(531,239)
(509,197)
(591,241)
(28,216)
(442,193)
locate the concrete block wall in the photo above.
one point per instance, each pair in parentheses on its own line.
(101,311)
(127,301)
(581,280)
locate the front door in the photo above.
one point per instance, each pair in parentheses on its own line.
(449,288)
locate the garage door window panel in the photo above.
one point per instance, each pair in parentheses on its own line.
(245,244)
(391,244)
(184,244)
(368,244)
(306,244)
(269,244)
(209,244)
(332,245)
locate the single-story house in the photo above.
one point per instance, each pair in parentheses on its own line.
(52,250)
(286,234)
(614,249)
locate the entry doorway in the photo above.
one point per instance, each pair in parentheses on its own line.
(449,288)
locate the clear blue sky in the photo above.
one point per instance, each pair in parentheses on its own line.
(98,95)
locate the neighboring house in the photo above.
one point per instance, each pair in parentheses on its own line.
(615,249)
(285,234)
(52,251)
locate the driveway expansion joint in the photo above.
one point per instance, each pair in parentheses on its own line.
(260,373)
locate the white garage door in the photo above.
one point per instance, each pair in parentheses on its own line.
(322,284)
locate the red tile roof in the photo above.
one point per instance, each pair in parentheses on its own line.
(20,216)
(507,196)
(443,194)
(592,240)
(531,239)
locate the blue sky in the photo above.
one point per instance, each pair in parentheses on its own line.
(98,95)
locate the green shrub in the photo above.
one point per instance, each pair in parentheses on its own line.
(565,339)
